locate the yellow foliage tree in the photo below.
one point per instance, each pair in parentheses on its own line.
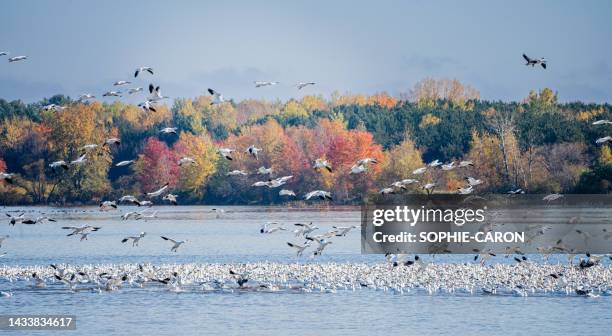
(400,161)
(427,91)
(193,178)
(294,109)
(312,103)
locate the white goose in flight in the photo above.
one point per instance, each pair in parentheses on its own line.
(357,169)
(466,163)
(141,69)
(108,205)
(302,85)
(271,227)
(226,153)
(286,192)
(260,184)
(217,97)
(419,171)
(121,82)
(366,161)
(125,163)
(177,243)
(323,243)
(448,166)
(58,164)
(134,90)
(16,219)
(435,163)
(386,191)
(4,53)
(147,105)
(473,182)
(112,94)
(86,96)
(603,140)
(533,61)
(17,59)
(254,151)
(158,192)
(129,199)
(168,130)
(80,229)
(89,147)
(342,231)
(129,215)
(134,239)
(171,198)
(304,229)
(465,191)
(81,160)
(321,194)
(155,92)
(321,163)
(264,171)
(53,107)
(299,248)
(275,183)
(186,161)
(237,173)
(259,84)
(407,182)
(398,185)
(602,122)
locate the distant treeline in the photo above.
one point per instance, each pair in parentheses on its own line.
(538,145)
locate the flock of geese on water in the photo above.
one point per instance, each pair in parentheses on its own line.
(308,277)
(524,279)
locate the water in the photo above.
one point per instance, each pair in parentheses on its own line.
(234,238)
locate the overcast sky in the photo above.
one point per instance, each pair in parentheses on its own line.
(349,46)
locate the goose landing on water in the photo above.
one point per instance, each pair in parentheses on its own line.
(299,248)
(176,243)
(135,239)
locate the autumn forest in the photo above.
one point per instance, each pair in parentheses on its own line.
(538,145)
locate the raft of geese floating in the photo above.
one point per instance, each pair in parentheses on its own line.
(523,279)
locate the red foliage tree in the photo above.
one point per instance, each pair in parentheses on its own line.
(156,166)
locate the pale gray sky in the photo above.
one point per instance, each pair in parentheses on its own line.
(355,46)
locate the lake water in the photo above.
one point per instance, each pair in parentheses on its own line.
(235,238)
